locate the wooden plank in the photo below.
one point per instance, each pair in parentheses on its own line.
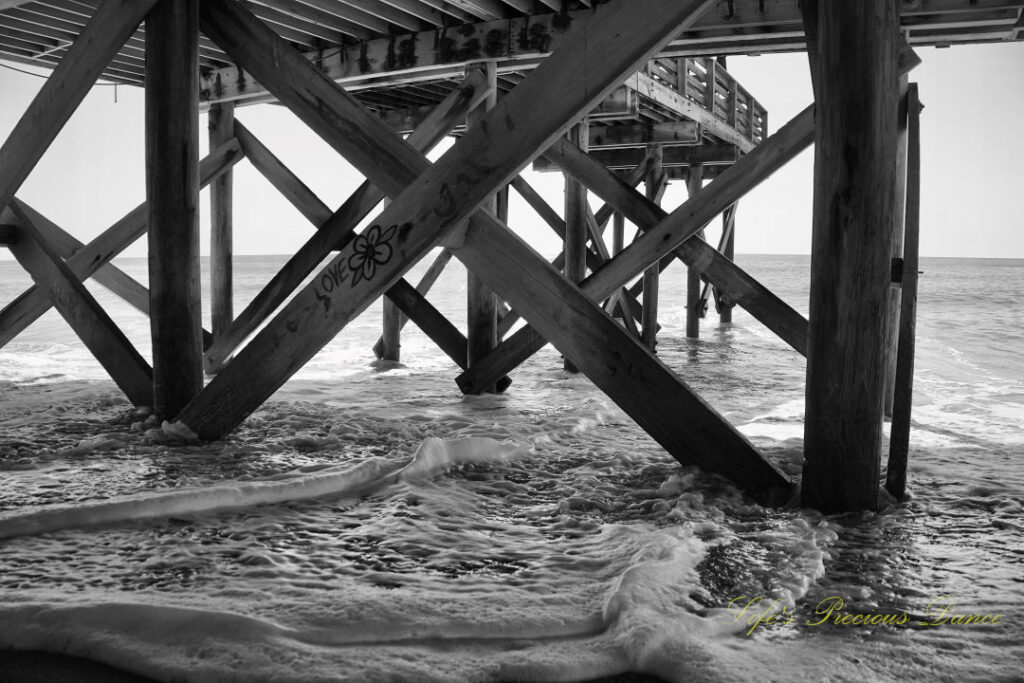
(694,305)
(854,200)
(172,194)
(899,437)
(222,129)
(437,197)
(423,287)
(640,135)
(334,230)
(672,157)
(87,261)
(90,322)
(112,24)
(481,302)
(660,402)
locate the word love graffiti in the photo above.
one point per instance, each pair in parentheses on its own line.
(370,250)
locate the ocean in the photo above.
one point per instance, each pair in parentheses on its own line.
(370,523)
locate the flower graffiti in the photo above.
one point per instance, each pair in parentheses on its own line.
(370,249)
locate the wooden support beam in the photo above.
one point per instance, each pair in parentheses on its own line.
(334,230)
(575,245)
(694,304)
(111,25)
(723,302)
(481,302)
(639,135)
(90,259)
(76,305)
(435,199)
(8,234)
(172,191)
(281,177)
(652,276)
(892,329)
(854,200)
(423,286)
(222,129)
(391,323)
(672,157)
(899,436)
(659,401)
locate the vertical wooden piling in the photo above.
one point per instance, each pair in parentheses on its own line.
(899,437)
(221,130)
(575,247)
(391,335)
(649,318)
(892,337)
(481,303)
(854,204)
(172,190)
(694,181)
(618,232)
(729,251)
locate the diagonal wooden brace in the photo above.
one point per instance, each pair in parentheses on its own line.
(86,262)
(77,306)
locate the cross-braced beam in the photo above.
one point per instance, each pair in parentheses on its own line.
(90,259)
(439,200)
(334,230)
(81,311)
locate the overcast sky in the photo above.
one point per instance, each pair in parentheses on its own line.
(972,177)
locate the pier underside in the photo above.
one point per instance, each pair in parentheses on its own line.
(653,102)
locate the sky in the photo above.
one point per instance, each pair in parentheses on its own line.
(972,152)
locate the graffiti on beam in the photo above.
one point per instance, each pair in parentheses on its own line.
(370,250)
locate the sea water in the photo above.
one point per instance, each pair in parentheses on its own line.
(371,523)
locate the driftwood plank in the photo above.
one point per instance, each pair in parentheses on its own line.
(111,25)
(334,230)
(87,261)
(76,305)
(437,198)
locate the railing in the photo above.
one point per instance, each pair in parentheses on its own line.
(703,81)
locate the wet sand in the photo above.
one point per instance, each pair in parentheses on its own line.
(48,667)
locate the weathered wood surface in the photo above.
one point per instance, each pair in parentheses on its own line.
(334,230)
(87,261)
(723,299)
(172,197)
(893,328)
(694,305)
(109,28)
(437,198)
(391,333)
(574,245)
(672,157)
(899,436)
(8,234)
(77,306)
(854,203)
(652,276)
(222,129)
(481,302)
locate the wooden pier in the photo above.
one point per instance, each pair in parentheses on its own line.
(633,91)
